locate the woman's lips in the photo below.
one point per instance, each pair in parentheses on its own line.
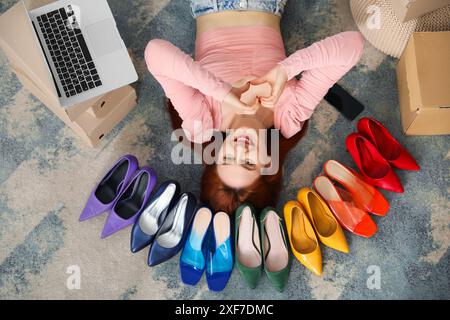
(243,140)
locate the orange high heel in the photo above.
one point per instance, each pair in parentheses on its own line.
(366,196)
(345,210)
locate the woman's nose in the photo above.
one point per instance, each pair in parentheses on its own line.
(241,151)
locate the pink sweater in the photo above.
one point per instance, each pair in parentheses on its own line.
(225,55)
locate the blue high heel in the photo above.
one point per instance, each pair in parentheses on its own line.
(193,257)
(219,264)
(149,222)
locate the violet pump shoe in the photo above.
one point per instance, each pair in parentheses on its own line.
(155,212)
(172,236)
(131,202)
(105,194)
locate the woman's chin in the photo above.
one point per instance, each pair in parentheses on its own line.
(248,122)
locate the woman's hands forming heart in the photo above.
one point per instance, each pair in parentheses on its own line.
(277,78)
(233,101)
(250,93)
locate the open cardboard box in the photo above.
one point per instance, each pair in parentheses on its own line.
(423,76)
(20,45)
(411,9)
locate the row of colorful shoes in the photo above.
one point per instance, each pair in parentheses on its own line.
(168,222)
(162,222)
(344,197)
(259,245)
(319,212)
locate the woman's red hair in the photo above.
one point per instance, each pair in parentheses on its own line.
(263,192)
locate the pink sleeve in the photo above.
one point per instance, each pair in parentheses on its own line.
(189,87)
(164,60)
(322,64)
(343,49)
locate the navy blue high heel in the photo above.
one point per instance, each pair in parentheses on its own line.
(150,221)
(172,235)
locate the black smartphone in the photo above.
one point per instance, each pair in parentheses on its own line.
(344,102)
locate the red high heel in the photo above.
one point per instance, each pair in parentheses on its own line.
(374,168)
(386,144)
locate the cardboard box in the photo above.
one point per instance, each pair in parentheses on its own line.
(118,104)
(411,9)
(423,76)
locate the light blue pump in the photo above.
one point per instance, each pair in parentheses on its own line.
(193,257)
(219,264)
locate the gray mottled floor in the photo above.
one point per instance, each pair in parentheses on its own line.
(46,174)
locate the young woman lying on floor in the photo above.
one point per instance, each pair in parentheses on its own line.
(240,55)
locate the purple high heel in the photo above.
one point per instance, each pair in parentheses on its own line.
(105,194)
(131,202)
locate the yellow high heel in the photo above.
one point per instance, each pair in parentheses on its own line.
(328,229)
(303,239)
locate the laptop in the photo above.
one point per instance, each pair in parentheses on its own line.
(84,52)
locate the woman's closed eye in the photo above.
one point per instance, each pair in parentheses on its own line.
(228,160)
(249,166)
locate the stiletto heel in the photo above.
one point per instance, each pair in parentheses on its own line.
(302,237)
(105,194)
(248,245)
(131,202)
(387,145)
(375,169)
(154,214)
(328,229)
(277,262)
(172,235)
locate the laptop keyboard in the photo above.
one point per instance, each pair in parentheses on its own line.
(69,52)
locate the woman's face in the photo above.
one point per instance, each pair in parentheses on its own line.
(242,157)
